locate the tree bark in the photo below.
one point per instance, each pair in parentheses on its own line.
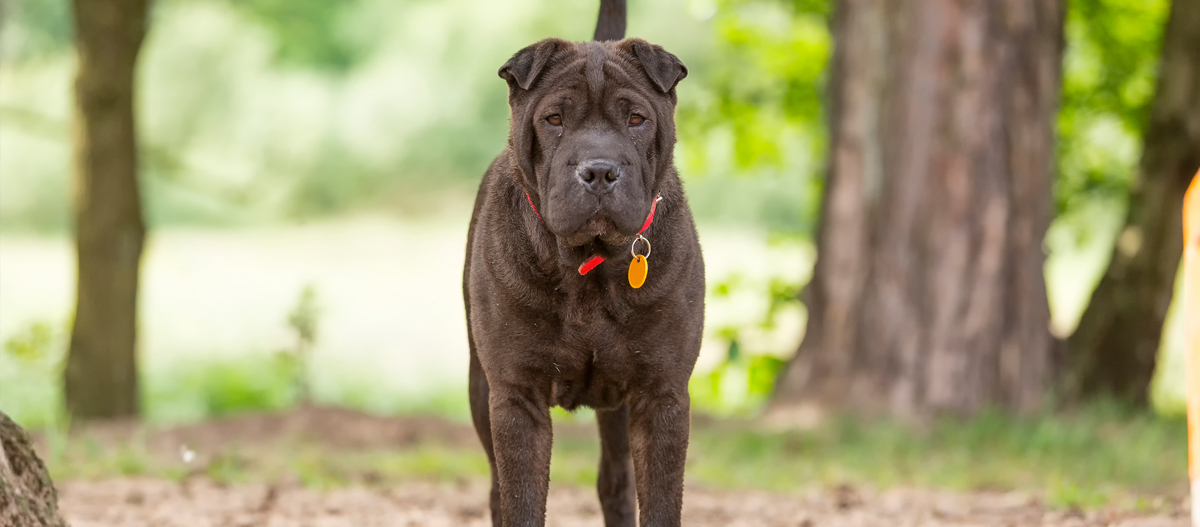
(27,496)
(101,372)
(1113,350)
(928,295)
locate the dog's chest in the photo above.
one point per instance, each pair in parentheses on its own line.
(594,363)
(600,385)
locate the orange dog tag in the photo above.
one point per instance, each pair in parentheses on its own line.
(638,268)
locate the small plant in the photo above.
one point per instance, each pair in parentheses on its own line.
(31,376)
(303,320)
(743,382)
(33,344)
(740,385)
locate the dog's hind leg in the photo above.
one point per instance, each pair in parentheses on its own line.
(477,384)
(478,387)
(618,496)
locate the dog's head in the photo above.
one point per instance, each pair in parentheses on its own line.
(593,128)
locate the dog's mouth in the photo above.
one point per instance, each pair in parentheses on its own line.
(599,229)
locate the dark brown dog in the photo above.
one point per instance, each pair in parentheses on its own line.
(589,152)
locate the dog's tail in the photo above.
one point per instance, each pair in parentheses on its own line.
(610,25)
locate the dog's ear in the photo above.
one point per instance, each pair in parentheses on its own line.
(663,68)
(523,68)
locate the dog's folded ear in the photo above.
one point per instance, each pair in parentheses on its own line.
(663,68)
(525,66)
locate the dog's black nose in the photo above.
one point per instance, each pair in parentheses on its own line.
(599,175)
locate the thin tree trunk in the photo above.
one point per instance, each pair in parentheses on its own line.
(1113,350)
(928,295)
(101,372)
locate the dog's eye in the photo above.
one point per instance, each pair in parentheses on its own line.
(555,120)
(636,119)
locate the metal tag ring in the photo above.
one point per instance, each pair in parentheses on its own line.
(633,246)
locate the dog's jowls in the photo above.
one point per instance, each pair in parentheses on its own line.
(590,149)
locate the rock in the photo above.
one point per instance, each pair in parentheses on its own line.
(27,496)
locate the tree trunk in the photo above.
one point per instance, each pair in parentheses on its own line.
(27,496)
(1113,350)
(101,372)
(928,295)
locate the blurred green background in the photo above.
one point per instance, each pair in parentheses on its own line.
(308,168)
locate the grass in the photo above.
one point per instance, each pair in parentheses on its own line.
(1092,457)
(1086,458)
(196,390)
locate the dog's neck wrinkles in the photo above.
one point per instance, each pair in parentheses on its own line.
(595,259)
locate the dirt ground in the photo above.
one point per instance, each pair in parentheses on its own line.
(198,501)
(138,502)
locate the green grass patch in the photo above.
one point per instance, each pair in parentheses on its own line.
(203,389)
(1092,457)
(1085,458)
(193,390)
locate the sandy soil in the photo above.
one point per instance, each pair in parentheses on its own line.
(130,502)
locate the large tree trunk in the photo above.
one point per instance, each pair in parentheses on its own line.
(101,372)
(928,295)
(1113,350)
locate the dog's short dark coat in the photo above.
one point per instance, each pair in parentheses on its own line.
(591,147)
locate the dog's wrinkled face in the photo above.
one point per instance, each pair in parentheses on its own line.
(593,127)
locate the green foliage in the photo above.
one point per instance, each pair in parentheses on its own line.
(753,104)
(317,193)
(765,79)
(31,376)
(315,34)
(738,386)
(34,28)
(194,389)
(1109,71)
(767,71)
(744,381)
(780,293)
(1112,57)
(191,390)
(304,321)
(304,318)
(185,390)
(260,110)
(753,107)
(32,344)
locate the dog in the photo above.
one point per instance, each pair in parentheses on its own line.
(586,183)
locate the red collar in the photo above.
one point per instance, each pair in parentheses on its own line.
(595,260)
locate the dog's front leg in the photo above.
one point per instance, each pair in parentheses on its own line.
(615,484)
(659,433)
(522,437)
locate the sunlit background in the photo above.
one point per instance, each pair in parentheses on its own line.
(309,164)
